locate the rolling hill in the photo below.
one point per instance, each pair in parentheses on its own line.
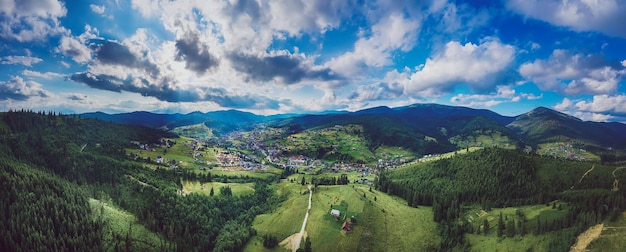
(422,128)
(543,125)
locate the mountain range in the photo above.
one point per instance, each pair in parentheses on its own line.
(427,128)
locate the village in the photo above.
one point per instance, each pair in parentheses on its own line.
(256,150)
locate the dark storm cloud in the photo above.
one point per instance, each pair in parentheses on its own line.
(195,54)
(173,94)
(288,68)
(113,53)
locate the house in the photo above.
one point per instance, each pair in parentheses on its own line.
(345,226)
(335,212)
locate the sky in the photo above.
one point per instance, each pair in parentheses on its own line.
(303,56)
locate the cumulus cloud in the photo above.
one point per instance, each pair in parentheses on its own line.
(479,66)
(76,46)
(46,75)
(502,94)
(574,73)
(377,92)
(606,16)
(599,108)
(285,68)
(458,19)
(388,88)
(114,53)
(71,47)
(196,55)
(22,60)
(29,20)
(97,8)
(147,8)
(18,89)
(374,49)
(311,17)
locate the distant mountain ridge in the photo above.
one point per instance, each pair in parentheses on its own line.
(426,128)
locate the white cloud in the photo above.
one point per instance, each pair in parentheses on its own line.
(147,8)
(18,89)
(71,47)
(76,46)
(97,8)
(604,103)
(311,17)
(503,94)
(22,60)
(605,16)
(46,75)
(390,34)
(478,66)
(600,108)
(460,20)
(574,74)
(31,20)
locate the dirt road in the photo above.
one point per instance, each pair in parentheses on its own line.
(586,238)
(297,238)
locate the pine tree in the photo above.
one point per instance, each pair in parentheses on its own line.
(485,226)
(510,228)
(307,245)
(500,225)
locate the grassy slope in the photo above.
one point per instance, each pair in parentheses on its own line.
(384,224)
(119,223)
(285,220)
(238,189)
(491,242)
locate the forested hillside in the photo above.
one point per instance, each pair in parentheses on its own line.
(494,177)
(52,164)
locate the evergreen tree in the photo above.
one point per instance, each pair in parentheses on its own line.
(307,244)
(485,226)
(510,229)
(500,225)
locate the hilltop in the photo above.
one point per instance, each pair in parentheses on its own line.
(422,128)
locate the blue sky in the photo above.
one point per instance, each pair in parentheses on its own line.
(298,56)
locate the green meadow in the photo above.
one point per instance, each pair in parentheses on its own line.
(383,222)
(528,242)
(238,189)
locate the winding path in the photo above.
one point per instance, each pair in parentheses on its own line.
(584,175)
(616,181)
(298,238)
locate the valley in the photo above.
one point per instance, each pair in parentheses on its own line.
(417,178)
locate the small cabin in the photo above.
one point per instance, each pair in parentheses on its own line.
(335,212)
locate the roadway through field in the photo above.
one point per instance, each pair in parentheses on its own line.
(298,238)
